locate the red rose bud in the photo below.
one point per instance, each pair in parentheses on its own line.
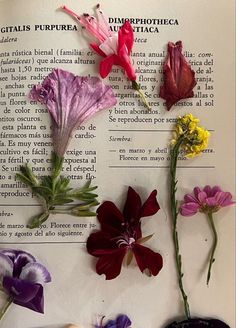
(179,78)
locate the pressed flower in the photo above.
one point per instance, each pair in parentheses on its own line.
(71,100)
(22,279)
(191,138)
(207,200)
(114,48)
(179,78)
(122,321)
(121,235)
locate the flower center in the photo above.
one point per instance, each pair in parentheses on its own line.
(125,240)
(109,46)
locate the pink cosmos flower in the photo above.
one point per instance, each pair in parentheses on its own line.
(114,48)
(71,100)
(121,234)
(207,200)
(179,78)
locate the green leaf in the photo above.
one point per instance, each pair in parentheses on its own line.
(37,220)
(83,213)
(23,179)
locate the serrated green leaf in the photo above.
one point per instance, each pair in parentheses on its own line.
(23,179)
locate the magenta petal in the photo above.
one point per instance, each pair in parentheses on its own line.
(196,191)
(147,259)
(211,191)
(202,197)
(132,205)
(106,66)
(190,199)
(224,198)
(189,209)
(151,206)
(110,264)
(211,201)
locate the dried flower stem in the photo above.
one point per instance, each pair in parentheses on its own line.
(6,306)
(212,259)
(137,88)
(174,214)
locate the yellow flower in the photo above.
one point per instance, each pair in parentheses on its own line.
(194,138)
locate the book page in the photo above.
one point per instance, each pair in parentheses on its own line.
(119,147)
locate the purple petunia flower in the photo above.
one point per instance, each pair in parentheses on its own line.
(71,100)
(22,278)
(209,199)
(122,321)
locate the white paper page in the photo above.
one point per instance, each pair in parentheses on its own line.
(120,147)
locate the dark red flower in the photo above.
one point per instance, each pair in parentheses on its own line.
(121,234)
(179,78)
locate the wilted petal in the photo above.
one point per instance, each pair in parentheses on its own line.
(35,273)
(211,202)
(74,100)
(106,65)
(196,191)
(36,303)
(110,264)
(189,209)
(147,259)
(211,191)
(190,199)
(179,78)
(202,197)
(20,290)
(6,266)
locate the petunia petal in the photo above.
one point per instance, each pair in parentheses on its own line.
(36,304)
(74,100)
(147,259)
(35,273)
(189,209)
(132,206)
(106,66)
(6,266)
(110,264)
(151,206)
(110,218)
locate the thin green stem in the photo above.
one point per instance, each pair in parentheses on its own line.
(6,306)
(137,88)
(174,214)
(215,240)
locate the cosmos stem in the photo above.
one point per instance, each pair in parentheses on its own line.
(6,306)
(215,240)
(174,215)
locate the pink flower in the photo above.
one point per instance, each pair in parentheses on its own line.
(114,48)
(179,78)
(207,200)
(121,234)
(71,100)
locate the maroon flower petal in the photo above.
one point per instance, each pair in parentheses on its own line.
(110,264)
(110,218)
(132,205)
(147,259)
(179,78)
(151,206)
(99,243)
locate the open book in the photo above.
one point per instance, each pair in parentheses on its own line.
(120,147)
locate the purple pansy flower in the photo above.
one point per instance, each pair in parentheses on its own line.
(22,278)
(209,199)
(122,321)
(71,100)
